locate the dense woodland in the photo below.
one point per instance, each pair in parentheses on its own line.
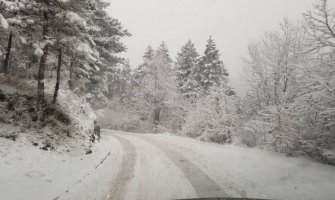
(289,107)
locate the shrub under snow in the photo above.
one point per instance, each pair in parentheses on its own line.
(213,118)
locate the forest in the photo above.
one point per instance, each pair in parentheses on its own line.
(65,53)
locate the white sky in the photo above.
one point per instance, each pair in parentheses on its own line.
(232,23)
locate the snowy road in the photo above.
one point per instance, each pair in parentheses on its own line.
(153,167)
(170,167)
(149,153)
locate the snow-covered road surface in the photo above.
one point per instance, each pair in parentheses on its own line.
(152,167)
(170,167)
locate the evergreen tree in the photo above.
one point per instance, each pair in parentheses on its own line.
(142,69)
(15,21)
(163,53)
(149,54)
(187,62)
(79,30)
(211,70)
(147,57)
(54,24)
(106,33)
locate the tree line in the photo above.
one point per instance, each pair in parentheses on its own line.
(165,94)
(289,106)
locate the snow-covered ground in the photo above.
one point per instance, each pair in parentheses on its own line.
(30,173)
(148,166)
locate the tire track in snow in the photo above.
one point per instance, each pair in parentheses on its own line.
(203,185)
(127,169)
(227,184)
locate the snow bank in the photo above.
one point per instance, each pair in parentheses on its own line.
(29,173)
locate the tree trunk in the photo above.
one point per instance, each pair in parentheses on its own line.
(40,78)
(54,99)
(157,114)
(72,68)
(71,74)
(43,61)
(9,48)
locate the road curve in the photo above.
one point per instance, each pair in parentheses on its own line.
(201,182)
(202,185)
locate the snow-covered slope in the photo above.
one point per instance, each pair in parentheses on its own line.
(69,123)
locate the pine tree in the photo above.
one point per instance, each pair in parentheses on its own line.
(13,18)
(211,70)
(149,54)
(163,53)
(142,69)
(105,34)
(147,57)
(187,62)
(81,29)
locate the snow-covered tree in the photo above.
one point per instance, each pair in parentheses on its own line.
(214,117)
(187,63)
(81,31)
(155,91)
(320,24)
(163,53)
(290,107)
(120,81)
(141,70)
(149,54)
(211,70)
(319,98)
(51,35)
(276,82)
(4,26)
(51,21)
(16,18)
(105,35)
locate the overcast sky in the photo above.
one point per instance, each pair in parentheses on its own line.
(232,24)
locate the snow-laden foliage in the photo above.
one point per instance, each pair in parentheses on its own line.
(291,106)
(87,36)
(155,95)
(3,22)
(213,117)
(162,97)
(73,42)
(211,70)
(187,63)
(146,98)
(276,82)
(119,82)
